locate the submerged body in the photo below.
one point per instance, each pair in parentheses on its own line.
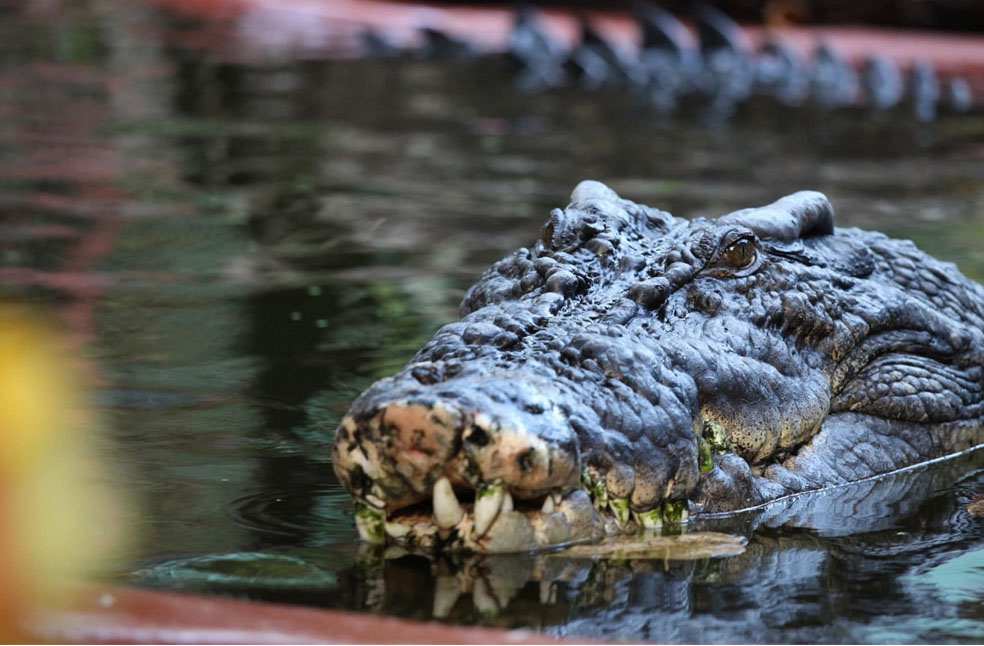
(631,368)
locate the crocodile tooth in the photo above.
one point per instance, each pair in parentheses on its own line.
(447,511)
(488,502)
(548,505)
(507,502)
(397,530)
(548,593)
(446,594)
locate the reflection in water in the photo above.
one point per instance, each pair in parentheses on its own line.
(241,247)
(797,580)
(906,543)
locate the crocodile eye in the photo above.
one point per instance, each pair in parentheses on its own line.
(739,254)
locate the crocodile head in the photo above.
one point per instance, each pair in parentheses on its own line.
(631,367)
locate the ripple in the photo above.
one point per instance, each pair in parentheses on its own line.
(237,571)
(322,515)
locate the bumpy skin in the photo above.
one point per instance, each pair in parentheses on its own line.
(632,365)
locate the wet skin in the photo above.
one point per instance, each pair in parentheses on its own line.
(632,368)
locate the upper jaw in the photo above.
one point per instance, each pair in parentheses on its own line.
(400,438)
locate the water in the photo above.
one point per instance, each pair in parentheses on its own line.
(238,245)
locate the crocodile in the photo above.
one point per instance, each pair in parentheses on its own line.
(668,72)
(632,370)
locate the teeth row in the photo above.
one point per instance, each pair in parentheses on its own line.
(490,501)
(493,500)
(670,511)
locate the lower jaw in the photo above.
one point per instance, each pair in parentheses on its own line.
(576,517)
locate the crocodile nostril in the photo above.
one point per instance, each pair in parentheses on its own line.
(476,435)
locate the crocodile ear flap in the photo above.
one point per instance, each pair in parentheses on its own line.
(800,215)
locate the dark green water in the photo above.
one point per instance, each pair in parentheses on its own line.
(242,243)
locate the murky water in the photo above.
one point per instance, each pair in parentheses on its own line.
(238,248)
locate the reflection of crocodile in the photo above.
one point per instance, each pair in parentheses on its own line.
(720,73)
(631,365)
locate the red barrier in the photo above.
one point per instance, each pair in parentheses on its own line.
(128,615)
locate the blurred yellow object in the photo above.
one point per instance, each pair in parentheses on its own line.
(59,519)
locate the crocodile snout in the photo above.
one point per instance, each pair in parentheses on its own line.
(490,465)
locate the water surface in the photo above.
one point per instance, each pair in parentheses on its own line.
(239,245)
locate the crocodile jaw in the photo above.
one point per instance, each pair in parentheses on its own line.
(430,474)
